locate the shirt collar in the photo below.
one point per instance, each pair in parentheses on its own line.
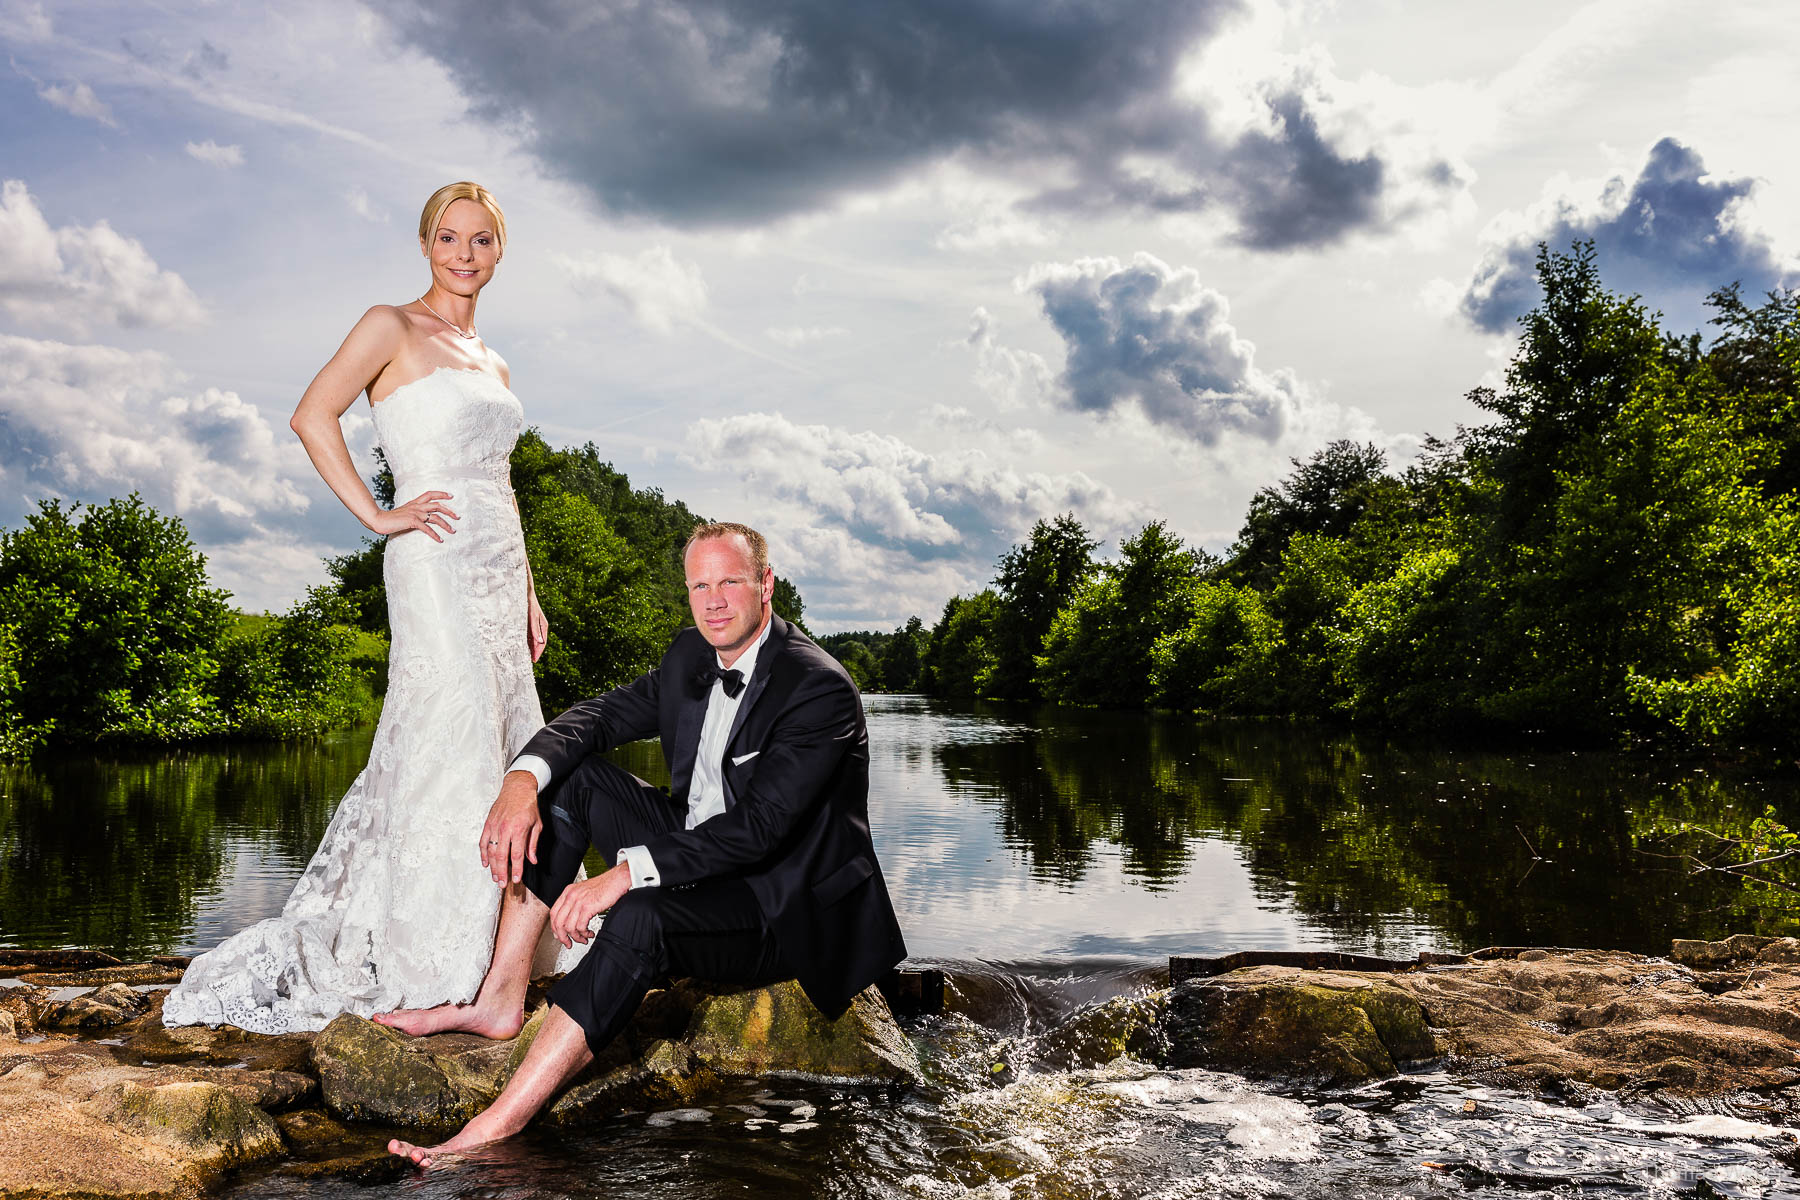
(746,661)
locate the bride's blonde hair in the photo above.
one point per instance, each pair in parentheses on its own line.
(449,194)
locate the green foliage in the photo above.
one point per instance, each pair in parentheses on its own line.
(1098,648)
(1325,495)
(297,675)
(1404,642)
(959,656)
(1315,582)
(115,627)
(860,651)
(1036,579)
(17,739)
(609,619)
(1223,660)
(788,605)
(902,659)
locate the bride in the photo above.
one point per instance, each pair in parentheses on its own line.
(398,906)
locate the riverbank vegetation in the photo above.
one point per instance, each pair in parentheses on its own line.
(111,633)
(1613,554)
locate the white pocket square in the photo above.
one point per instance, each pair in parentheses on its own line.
(738,760)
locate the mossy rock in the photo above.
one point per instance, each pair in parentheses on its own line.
(368,1072)
(1292,1029)
(211,1127)
(776,1030)
(1130,1025)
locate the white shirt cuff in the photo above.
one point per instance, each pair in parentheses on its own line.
(537,766)
(643,867)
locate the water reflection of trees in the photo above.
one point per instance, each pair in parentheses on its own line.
(1359,835)
(121,852)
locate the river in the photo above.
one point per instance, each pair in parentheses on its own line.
(1058,857)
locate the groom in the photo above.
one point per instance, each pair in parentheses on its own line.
(755,866)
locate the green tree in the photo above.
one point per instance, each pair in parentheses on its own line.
(788,605)
(1037,578)
(609,622)
(296,675)
(17,739)
(1324,495)
(864,667)
(115,625)
(1315,582)
(1223,661)
(903,658)
(1098,649)
(959,657)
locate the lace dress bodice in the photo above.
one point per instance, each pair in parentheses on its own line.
(395,909)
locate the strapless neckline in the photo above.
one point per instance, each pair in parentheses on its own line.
(433,374)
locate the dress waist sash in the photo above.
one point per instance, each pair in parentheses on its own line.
(420,480)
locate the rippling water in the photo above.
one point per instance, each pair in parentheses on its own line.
(1052,859)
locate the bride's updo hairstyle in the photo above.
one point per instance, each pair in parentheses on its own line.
(449,194)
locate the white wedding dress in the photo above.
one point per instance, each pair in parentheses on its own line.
(395,909)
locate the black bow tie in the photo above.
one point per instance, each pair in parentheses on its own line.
(732,679)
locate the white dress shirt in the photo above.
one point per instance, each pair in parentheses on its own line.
(706,790)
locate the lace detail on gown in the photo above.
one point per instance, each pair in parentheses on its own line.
(395,909)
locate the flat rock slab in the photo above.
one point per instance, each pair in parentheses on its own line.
(1617,1021)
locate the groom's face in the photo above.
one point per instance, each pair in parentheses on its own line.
(730,603)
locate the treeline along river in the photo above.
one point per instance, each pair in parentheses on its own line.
(1049,857)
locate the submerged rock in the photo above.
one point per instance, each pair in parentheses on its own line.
(1130,1025)
(777,1031)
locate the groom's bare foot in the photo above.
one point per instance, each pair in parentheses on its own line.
(485,1128)
(496,1022)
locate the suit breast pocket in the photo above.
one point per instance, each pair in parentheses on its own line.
(843,881)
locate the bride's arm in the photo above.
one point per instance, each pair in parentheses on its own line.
(368,349)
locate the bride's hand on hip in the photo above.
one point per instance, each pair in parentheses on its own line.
(537,627)
(425,512)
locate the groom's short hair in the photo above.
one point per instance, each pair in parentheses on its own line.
(707,530)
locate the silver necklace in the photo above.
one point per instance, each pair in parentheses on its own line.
(446,320)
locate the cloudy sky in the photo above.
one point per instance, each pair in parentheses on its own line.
(890,279)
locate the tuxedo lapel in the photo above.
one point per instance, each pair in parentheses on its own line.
(759,682)
(689,719)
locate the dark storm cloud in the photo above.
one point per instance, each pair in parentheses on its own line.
(717,112)
(1669,235)
(1146,333)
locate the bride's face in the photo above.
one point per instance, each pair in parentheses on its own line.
(464,249)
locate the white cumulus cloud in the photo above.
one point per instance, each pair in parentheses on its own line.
(653,285)
(78,276)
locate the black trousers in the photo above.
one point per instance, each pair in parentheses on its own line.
(712,930)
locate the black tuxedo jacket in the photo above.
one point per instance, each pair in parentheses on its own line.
(796,819)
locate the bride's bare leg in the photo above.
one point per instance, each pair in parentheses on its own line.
(559,1051)
(498,1010)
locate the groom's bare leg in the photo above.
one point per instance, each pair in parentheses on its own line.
(559,1051)
(498,1010)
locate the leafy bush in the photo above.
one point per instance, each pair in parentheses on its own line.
(296,675)
(1224,659)
(115,627)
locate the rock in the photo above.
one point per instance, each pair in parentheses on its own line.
(368,1072)
(1095,1036)
(209,1125)
(114,1004)
(16,961)
(1740,948)
(20,1003)
(777,1031)
(151,1041)
(1617,1021)
(9,1027)
(133,974)
(1280,1022)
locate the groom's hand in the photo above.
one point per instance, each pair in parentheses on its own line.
(581,902)
(510,836)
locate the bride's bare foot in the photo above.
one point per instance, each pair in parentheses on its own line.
(497,1022)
